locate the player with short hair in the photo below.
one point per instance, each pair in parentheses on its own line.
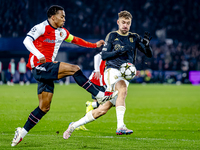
(120,47)
(43,42)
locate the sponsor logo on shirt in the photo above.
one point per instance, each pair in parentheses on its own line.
(117,46)
(52,41)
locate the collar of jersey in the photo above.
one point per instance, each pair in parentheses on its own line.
(122,34)
(50,24)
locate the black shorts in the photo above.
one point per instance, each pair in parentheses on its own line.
(100,88)
(45,74)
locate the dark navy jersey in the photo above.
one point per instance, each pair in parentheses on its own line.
(115,41)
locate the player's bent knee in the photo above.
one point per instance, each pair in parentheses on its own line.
(45,109)
(76,68)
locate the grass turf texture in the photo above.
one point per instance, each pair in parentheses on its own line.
(161,117)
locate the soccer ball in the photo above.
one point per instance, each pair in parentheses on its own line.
(128,71)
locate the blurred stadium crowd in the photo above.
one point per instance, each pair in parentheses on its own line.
(174,26)
(178,19)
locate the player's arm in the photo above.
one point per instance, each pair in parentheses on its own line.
(80,42)
(143,45)
(107,52)
(32,35)
(28,42)
(97,62)
(147,50)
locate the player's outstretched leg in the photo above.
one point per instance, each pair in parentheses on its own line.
(89,107)
(69,131)
(85,83)
(123,130)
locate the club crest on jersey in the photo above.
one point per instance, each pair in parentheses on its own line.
(61,34)
(117,46)
(131,40)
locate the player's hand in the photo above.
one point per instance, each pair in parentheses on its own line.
(124,49)
(146,38)
(97,75)
(100,43)
(42,60)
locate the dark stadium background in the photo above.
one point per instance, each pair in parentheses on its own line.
(174,26)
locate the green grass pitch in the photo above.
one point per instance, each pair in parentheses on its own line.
(161,117)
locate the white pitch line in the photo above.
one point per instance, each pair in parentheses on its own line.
(112,137)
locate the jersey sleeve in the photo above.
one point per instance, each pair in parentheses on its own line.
(108,43)
(80,42)
(36,31)
(69,36)
(97,61)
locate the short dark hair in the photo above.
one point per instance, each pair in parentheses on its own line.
(53,10)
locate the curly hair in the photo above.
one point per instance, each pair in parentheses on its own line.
(53,10)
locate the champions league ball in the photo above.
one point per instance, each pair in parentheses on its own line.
(128,71)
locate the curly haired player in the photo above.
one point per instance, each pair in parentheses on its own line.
(43,42)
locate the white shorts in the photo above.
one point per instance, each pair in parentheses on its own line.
(111,77)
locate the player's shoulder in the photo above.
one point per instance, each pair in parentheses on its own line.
(65,30)
(42,24)
(111,35)
(133,34)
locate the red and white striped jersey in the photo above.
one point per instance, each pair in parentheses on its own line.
(47,40)
(99,66)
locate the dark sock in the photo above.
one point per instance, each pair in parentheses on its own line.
(34,118)
(85,83)
(97,104)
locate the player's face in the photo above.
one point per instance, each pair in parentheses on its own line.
(124,25)
(59,19)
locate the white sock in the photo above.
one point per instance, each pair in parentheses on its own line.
(24,132)
(120,111)
(94,104)
(87,118)
(99,95)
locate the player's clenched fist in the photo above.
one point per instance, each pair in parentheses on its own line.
(99,43)
(42,60)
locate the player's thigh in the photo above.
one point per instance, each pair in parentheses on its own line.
(111,77)
(66,69)
(121,85)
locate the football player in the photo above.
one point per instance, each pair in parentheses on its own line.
(120,47)
(43,41)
